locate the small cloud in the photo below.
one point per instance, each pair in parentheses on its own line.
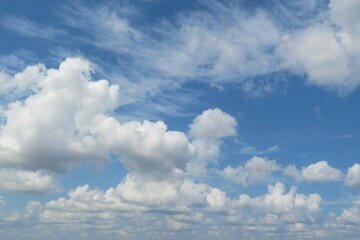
(352,178)
(255,170)
(318,114)
(317,172)
(251,150)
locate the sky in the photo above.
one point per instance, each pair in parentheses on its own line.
(181,119)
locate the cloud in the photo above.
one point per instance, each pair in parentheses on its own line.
(352,178)
(138,207)
(29,28)
(65,120)
(254,170)
(317,172)
(165,153)
(27,181)
(179,205)
(108,26)
(21,83)
(161,153)
(289,206)
(327,52)
(220,42)
(351,215)
(49,129)
(316,51)
(206,131)
(213,124)
(346,224)
(250,150)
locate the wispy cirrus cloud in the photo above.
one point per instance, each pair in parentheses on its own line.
(29,28)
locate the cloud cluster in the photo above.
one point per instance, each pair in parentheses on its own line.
(317,172)
(183,205)
(219,43)
(65,120)
(254,170)
(57,119)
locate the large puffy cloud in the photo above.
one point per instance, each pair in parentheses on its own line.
(27,181)
(65,121)
(352,178)
(254,170)
(50,128)
(316,51)
(317,172)
(327,52)
(147,147)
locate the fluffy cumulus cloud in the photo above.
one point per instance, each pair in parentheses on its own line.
(213,124)
(254,170)
(65,120)
(353,176)
(49,129)
(327,52)
(206,131)
(146,148)
(290,207)
(316,51)
(170,207)
(317,172)
(27,181)
(347,221)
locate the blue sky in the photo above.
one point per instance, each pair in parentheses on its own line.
(179,119)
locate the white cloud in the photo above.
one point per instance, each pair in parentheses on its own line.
(147,148)
(65,121)
(317,172)
(221,42)
(321,172)
(254,170)
(352,178)
(21,83)
(290,207)
(27,181)
(351,215)
(50,128)
(329,51)
(292,171)
(138,207)
(29,28)
(250,150)
(346,223)
(213,124)
(110,28)
(344,14)
(316,51)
